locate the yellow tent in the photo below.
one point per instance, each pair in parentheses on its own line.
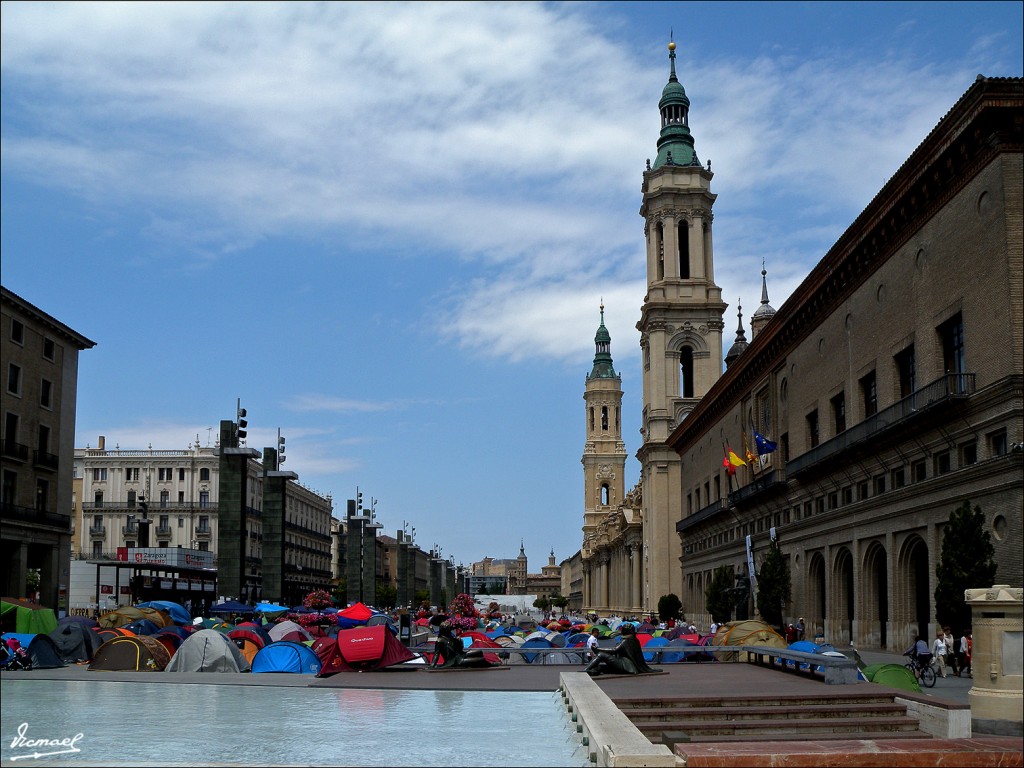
(748,632)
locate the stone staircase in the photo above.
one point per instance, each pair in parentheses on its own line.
(820,717)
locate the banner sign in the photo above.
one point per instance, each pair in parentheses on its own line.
(170,557)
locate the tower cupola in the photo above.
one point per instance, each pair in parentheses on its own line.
(675,146)
(740,345)
(603,368)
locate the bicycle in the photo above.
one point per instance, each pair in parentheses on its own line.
(923,671)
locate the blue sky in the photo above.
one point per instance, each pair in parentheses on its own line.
(387,227)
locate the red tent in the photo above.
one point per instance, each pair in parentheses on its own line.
(360,649)
(480,640)
(353,616)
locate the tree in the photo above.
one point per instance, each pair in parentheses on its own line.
(542,603)
(773,587)
(966,561)
(559,601)
(670,607)
(387,595)
(720,595)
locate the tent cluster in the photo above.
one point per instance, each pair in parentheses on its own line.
(161,636)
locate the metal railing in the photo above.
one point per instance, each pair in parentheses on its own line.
(14,450)
(45,460)
(14,512)
(951,386)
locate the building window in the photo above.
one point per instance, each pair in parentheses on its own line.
(204,475)
(718,487)
(869,394)
(165,474)
(204,546)
(131,474)
(48,348)
(44,439)
(879,484)
(919,470)
(684,249)
(17,332)
(165,497)
(942,463)
(833,500)
(604,418)
(604,494)
(165,522)
(14,379)
(997,443)
(968,454)
(848,494)
(181,497)
(839,412)
(99,475)
(862,490)
(98,499)
(764,412)
(204,524)
(181,475)
(812,427)
(686,372)
(689,504)
(952,334)
(898,478)
(808,509)
(46,393)
(204,498)
(819,505)
(97,549)
(907,371)
(42,495)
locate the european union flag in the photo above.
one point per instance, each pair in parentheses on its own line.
(764,445)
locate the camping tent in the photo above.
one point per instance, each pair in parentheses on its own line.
(76,642)
(133,654)
(286,656)
(231,606)
(176,611)
(360,648)
(747,632)
(892,675)
(126,614)
(17,615)
(289,630)
(249,641)
(208,651)
(41,649)
(355,615)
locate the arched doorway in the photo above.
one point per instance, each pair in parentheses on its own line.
(875,600)
(913,585)
(816,597)
(841,623)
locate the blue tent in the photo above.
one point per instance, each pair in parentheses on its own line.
(675,657)
(286,656)
(177,611)
(535,642)
(270,608)
(654,642)
(142,627)
(231,606)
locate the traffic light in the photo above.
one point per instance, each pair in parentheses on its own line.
(280,449)
(359,500)
(242,424)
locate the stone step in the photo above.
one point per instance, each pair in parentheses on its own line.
(754,701)
(773,729)
(671,738)
(857,753)
(801,712)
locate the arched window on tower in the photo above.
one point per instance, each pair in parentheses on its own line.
(686,372)
(684,250)
(605,494)
(618,425)
(659,234)
(591,418)
(604,417)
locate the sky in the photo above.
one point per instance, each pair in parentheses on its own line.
(387,229)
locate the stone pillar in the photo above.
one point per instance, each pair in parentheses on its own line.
(997,660)
(402,599)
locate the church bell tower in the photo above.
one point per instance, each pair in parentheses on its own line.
(680,326)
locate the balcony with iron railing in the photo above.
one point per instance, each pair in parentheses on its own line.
(44,460)
(205,506)
(769,481)
(12,513)
(130,530)
(948,388)
(97,531)
(204,533)
(12,449)
(164,531)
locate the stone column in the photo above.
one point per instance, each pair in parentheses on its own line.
(997,660)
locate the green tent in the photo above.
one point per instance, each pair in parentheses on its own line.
(23,617)
(892,675)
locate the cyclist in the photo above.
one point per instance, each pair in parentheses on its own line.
(920,654)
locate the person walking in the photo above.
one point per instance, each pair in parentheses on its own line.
(801,628)
(951,659)
(592,642)
(966,645)
(939,651)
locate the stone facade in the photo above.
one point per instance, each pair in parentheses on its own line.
(892,382)
(38,400)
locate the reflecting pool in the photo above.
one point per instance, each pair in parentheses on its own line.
(79,723)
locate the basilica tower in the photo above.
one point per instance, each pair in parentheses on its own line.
(680,326)
(604,453)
